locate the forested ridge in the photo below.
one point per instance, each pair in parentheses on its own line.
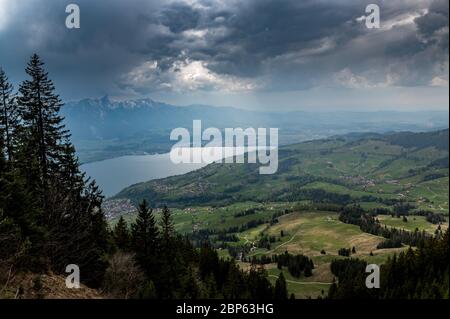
(421,273)
(50,214)
(394,237)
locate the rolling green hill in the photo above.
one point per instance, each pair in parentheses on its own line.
(243,213)
(316,234)
(370,169)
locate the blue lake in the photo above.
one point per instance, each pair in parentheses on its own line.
(115,174)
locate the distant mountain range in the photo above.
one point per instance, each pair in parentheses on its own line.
(102,128)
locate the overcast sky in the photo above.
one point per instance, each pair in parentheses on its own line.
(257,54)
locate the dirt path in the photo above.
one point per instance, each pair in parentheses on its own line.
(246,240)
(285,243)
(304,282)
(281,245)
(431,191)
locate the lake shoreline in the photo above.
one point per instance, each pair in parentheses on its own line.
(115,174)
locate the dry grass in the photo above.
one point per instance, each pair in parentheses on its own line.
(48,286)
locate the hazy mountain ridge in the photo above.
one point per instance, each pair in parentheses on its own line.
(103,128)
(147,114)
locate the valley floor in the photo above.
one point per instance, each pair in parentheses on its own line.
(316,234)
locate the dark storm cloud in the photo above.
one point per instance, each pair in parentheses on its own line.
(112,38)
(144,46)
(432,23)
(179,17)
(268,29)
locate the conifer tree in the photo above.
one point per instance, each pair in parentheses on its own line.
(122,235)
(259,286)
(145,238)
(167,228)
(8,114)
(44,133)
(172,267)
(234,285)
(280,291)
(210,289)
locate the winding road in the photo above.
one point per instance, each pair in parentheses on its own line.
(304,282)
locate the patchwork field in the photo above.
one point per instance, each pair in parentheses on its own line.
(316,234)
(309,233)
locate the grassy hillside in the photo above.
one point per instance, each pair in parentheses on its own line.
(411,224)
(380,169)
(317,234)
(246,214)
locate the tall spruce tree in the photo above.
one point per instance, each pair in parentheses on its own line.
(171,260)
(280,291)
(44,133)
(70,203)
(8,114)
(122,235)
(145,239)
(167,228)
